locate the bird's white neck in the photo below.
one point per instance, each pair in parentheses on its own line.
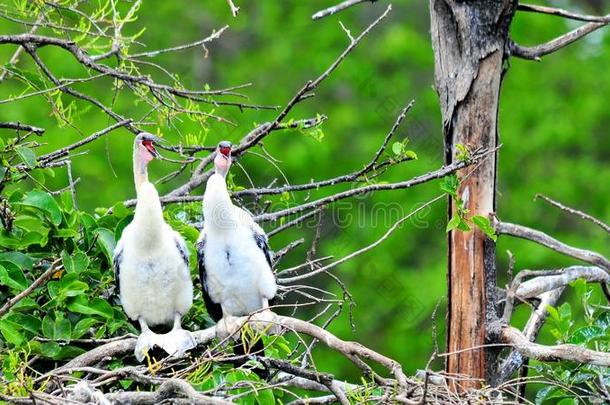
(218,210)
(148,215)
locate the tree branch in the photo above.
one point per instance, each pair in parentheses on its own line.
(540,352)
(538,51)
(339,7)
(573,211)
(519,231)
(534,8)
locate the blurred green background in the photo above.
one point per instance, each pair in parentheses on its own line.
(554,119)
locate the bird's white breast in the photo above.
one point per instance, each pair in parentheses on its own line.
(155,282)
(238,275)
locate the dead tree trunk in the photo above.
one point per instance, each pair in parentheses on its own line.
(470,39)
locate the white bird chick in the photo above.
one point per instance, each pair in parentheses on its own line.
(233,252)
(151,265)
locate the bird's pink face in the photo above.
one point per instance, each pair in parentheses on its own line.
(222,161)
(147,151)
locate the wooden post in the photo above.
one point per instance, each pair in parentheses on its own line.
(469,40)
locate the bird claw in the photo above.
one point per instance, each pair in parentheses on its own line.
(177,342)
(146,341)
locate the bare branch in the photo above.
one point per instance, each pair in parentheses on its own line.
(540,352)
(289,280)
(234,9)
(535,8)
(538,51)
(548,282)
(17,126)
(573,211)
(519,231)
(339,7)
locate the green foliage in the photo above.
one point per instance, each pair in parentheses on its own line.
(70,305)
(553,127)
(574,383)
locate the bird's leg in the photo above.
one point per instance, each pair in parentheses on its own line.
(178,340)
(146,341)
(227,327)
(266,319)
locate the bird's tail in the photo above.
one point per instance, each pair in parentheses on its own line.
(258,348)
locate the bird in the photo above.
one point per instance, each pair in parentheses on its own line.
(234,257)
(151,265)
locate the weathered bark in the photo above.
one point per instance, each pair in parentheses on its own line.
(469,40)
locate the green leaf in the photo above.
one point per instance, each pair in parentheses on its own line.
(66,233)
(97,306)
(12,276)
(463,225)
(120,211)
(26,322)
(44,202)
(586,334)
(82,327)
(10,331)
(484,225)
(63,329)
(411,154)
(453,223)
(76,262)
(66,201)
(19,259)
(105,240)
(27,155)
(397,148)
(450,184)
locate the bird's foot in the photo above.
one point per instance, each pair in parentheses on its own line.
(146,341)
(177,342)
(266,321)
(227,328)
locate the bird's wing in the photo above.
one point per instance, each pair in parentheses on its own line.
(214,309)
(181,246)
(117,258)
(260,237)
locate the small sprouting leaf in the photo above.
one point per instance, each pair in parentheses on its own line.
(453,223)
(411,154)
(463,154)
(27,155)
(450,185)
(463,225)
(484,225)
(397,148)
